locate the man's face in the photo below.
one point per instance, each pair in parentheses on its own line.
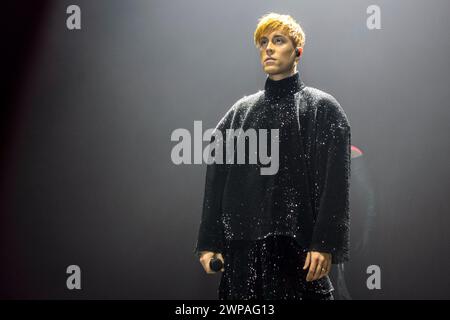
(277,54)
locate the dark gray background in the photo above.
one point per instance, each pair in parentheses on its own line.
(87,177)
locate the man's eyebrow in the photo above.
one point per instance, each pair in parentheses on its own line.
(275,35)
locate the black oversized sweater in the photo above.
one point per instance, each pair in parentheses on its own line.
(308,197)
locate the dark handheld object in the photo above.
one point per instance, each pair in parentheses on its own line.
(215,264)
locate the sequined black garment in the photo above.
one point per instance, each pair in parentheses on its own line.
(307,198)
(269,269)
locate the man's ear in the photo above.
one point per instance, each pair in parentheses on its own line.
(297,57)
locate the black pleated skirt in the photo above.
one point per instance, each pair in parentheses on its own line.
(269,269)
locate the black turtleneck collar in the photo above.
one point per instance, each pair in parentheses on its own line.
(276,89)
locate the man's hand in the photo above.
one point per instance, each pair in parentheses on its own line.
(319,265)
(206,257)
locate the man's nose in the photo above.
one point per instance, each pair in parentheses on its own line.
(269,48)
(269,51)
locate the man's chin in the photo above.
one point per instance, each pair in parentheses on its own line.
(271,70)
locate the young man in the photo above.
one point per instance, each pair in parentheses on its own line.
(279,234)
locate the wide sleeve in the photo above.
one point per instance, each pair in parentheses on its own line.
(332,182)
(211,231)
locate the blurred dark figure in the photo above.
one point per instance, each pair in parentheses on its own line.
(349,278)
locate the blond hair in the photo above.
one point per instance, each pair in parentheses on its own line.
(273,21)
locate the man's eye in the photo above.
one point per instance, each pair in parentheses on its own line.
(279,40)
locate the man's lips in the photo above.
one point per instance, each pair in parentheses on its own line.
(269,59)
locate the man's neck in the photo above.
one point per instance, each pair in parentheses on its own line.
(279,76)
